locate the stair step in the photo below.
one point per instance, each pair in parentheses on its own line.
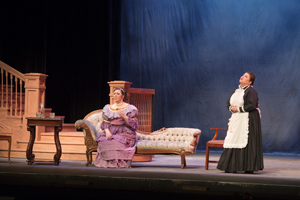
(46,154)
(50,145)
(64,136)
(66,128)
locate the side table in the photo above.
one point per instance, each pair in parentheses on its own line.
(32,122)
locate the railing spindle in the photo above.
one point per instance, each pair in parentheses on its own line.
(2,89)
(16,96)
(21,96)
(11,94)
(6,103)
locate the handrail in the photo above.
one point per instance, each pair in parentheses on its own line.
(12,90)
(12,71)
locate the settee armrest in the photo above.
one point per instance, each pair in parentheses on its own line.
(195,141)
(89,131)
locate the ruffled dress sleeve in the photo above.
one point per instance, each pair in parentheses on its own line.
(106,121)
(132,118)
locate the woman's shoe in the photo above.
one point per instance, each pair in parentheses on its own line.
(248,172)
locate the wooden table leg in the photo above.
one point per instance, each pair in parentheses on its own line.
(29,155)
(58,146)
(9,148)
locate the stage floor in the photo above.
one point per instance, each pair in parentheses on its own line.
(160,179)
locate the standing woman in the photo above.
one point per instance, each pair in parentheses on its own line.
(243,142)
(116,146)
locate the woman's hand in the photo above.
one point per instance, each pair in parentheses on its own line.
(108,133)
(234,109)
(122,113)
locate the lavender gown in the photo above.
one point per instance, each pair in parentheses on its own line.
(117,151)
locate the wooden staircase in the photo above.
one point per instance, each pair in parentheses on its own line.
(14,88)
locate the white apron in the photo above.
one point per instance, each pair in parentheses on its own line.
(238,125)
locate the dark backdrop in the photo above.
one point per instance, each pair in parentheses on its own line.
(193,53)
(75,42)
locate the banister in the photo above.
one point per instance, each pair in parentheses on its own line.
(12,71)
(12,91)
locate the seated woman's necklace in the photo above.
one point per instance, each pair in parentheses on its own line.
(119,106)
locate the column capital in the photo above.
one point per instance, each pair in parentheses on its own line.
(115,84)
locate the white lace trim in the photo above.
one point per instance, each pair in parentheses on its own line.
(112,115)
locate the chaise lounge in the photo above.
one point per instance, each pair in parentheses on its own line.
(181,141)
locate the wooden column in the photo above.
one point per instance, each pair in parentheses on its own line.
(116,84)
(35,87)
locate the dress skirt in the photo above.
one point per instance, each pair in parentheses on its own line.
(113,154)
(116,152)
(249,158)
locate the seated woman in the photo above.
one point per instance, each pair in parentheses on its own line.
(116,146)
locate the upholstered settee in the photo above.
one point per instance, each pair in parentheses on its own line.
(182,141)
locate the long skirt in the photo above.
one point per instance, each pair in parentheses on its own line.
(114,154)
(249,158)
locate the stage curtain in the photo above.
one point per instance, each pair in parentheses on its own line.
(76,43)
(83,48)
(193,53)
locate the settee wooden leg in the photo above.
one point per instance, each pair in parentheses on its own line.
(91,158)
(87,158)
(207,157)
(183,161)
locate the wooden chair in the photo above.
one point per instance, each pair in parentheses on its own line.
(8,138)
(213,143)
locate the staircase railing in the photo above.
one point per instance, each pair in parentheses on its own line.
(12,90)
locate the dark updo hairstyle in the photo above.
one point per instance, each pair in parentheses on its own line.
(123,91)
(252,77)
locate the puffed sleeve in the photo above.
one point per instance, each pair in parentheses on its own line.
(250,101)
(106,122)
(132,119)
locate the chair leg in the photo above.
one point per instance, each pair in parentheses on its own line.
(9,148)
(207,157)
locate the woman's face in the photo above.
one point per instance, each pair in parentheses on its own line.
(245,80)
(118,96)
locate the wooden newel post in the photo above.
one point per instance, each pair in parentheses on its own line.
(115,84)
(35,87)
